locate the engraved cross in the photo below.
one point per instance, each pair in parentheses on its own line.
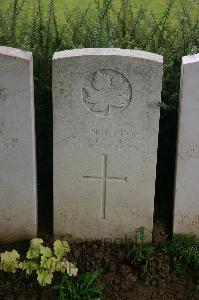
(104,180)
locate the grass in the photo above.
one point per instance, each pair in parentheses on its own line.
(182,251)
(82,287)
(157,6)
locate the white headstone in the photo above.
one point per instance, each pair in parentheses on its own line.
(18,217)
(106,120)
(186,216)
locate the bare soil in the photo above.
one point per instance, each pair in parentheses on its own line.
(121,279)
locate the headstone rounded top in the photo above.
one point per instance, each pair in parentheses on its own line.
(109,52)
(16,53)
(190,59)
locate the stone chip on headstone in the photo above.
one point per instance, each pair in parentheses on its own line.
(18,208)
(186,216)
(106,122)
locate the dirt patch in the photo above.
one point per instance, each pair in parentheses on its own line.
(120,277)
(122,280)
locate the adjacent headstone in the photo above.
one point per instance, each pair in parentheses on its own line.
(106,120)
(186,216)
(18,209)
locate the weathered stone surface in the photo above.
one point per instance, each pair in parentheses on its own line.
(106,120)
(186,216)
(18,217)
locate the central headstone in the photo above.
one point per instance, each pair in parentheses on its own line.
(106,122)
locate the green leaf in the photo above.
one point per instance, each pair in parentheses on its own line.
(66,266)
(61,248)
(28,266)
(141,234)
(49,263)
(36,243)
(9,261)
(35,248)
(88,279)
(71,269)
(45,251)
(44,277)
(81,287)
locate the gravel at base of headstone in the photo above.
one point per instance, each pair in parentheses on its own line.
(106,124)
(18,197)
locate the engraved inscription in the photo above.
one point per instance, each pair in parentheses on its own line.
(1,128)
(104,178)
(88,135)
(10,143)
(6,142)
(2,94)
(193,151)
(189,221)
(107,92)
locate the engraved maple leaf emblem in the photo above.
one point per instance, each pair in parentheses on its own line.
(108,93)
